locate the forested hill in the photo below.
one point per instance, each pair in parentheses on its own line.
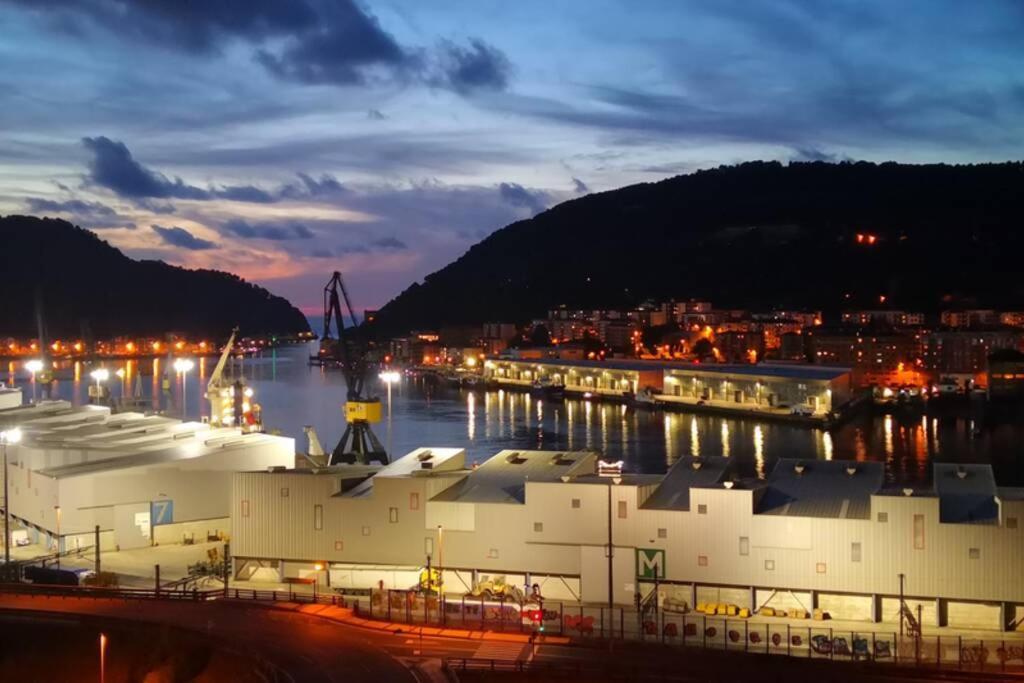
(758,235)
(88,287)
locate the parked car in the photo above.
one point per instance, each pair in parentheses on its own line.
(802,410)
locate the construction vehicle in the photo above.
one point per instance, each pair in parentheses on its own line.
(358,443)
(231,400)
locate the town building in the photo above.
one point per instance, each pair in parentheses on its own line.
(826,535)
(889,318)
(1006,375)
(966,352)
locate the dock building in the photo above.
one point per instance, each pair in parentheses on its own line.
(827,535)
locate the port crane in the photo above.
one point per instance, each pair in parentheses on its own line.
(358,443)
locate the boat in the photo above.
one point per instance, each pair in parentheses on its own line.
(645,399)
(543,387)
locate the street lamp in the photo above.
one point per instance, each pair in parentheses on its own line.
(35,365)
(182,366)
(389,377)
(57,510)
(103,658)
(7,436)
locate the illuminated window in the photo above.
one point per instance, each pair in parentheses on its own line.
(974,553)
(622,509)
(769,565)
(883,517)
(744,545)
(855,549)
(702,509)
(284,491)
(245,508)
(575,503)
(820,568)
(318,517)
(918,532)
(414,501)
(702,560)
(662,533)
(538,526)
(393,515)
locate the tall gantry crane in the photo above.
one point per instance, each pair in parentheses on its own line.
(358,443)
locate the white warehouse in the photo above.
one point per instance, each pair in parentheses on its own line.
(142,479)
(814,534)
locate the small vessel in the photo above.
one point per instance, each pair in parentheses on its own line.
(544,387)
(645,399)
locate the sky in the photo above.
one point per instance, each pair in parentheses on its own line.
(284,139)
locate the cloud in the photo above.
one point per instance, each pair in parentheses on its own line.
(112,166)
(267,231)
(93,215)
(340,49)
(326,186)
(517,195)
(182,238)
(579,186)
(477,67)
(389,243)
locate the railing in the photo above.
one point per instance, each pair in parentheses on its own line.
(109,593)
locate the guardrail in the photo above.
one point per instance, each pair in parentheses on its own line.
(164,593)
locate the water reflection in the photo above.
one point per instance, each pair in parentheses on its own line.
(430,414)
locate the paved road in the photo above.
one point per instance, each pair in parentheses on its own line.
(309,649)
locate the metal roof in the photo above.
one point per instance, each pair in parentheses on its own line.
(689,472)
(821,488)
(967,493)
(421,460)
(502,478)
(779,370)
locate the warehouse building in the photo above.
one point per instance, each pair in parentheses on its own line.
(143,480)
(824,535)
(767,387)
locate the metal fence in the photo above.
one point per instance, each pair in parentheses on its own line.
(815,640)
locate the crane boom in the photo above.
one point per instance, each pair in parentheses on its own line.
(218,370)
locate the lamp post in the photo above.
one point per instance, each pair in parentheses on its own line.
(389,377)
(35,365)
(6,437)
(120,375)
(182,366)
(103,658)
(57,510)
(100,375)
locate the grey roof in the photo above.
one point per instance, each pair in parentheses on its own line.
(967,493)
(689,472)
(821,488)
(503,477)
(419,460)
(787,371)
(1011,492)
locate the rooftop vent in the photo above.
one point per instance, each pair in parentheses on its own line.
(851,470)
(799,468)
(696,464)
(565,478)
(961,472)
(728,484)
(426,465)
(908,492)
(515,458)
(425,455)
(562,460)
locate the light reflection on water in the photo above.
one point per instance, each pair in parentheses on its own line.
(427,414)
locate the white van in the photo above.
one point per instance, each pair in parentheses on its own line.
(802,409)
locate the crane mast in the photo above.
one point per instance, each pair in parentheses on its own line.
(358,444)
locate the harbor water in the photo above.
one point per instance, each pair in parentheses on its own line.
(422,412)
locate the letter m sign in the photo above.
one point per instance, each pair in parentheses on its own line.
(650,563)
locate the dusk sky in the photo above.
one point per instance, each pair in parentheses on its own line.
(282,140)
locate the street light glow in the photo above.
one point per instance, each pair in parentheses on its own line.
(390,376)
(100,375)
(183,365)
(35,365)
(10,436)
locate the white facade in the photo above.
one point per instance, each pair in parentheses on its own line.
(814,534)
(141,479)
